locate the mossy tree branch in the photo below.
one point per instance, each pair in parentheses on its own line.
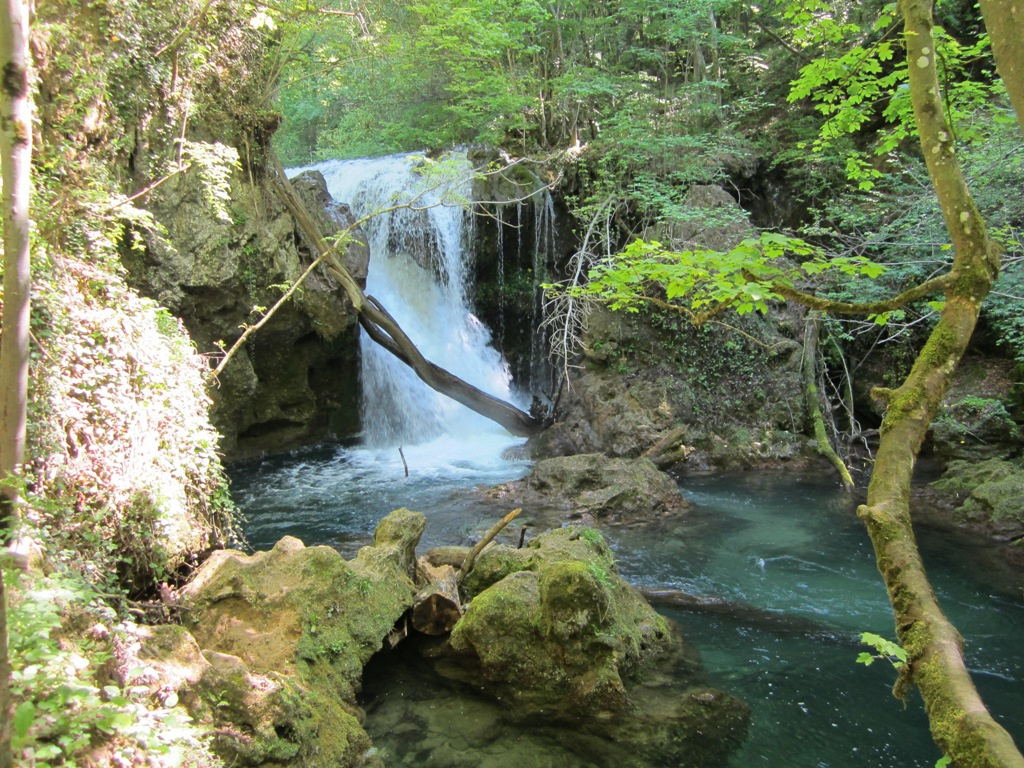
(960,723)
(809,300)
(812,331)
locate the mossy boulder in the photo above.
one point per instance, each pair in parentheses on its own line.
(554,628)
(557,635)
(286,634)
(610,490)
(986,495)
(977,418)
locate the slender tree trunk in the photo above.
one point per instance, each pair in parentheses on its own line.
(15,158)
(959,721)
(1005,21)
(812,331)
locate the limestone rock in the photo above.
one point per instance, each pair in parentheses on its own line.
(710,218)
(611,490)
(296,380)
(975,422)
(559,633)
(986,495)
(285,635)
(701,397)
(555,634)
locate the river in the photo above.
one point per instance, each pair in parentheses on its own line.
(789,544)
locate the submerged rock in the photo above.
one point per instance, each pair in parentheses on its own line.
(284,636)
(611,490)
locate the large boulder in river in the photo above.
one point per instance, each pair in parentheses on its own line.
(284,636)
(609,490)
(557,635)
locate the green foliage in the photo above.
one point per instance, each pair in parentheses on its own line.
(519,72)
(129,478)
(66,699)
(703,282)
(214,164)
(884,650)
(861,81)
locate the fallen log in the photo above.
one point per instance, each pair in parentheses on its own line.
(384,330)
(437,607)
(744,613)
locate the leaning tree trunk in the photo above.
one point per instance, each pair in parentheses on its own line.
(384,330)
(1004,20)
(15,158)
(959,721)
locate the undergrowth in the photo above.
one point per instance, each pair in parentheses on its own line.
(81,697)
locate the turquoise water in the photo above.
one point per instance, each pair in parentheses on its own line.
(788,546)
(793,544)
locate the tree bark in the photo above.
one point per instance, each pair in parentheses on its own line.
(1004,20)
(15,158)
(959,721)
(384,330)
(437,607)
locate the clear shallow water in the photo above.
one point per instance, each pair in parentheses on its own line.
(788,544)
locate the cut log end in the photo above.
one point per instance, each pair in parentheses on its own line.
(437,607)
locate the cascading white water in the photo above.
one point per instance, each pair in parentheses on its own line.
(418,271)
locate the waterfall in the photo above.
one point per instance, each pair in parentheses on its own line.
(418,271)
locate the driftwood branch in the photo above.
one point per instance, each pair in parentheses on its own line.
(467,565)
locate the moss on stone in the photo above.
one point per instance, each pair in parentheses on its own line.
(290,630)
(988,492)
(561,631)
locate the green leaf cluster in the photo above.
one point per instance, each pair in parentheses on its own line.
(701,283)
(884,649)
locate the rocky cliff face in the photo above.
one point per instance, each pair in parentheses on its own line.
(296,380)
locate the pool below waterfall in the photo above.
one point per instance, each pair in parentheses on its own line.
(785,553)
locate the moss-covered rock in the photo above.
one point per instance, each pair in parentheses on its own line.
(286,634)
(554,628)
(987,495)
(611,490)
(296,380)
(654,385)
(554,632)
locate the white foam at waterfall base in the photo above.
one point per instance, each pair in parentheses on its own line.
(418,271)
